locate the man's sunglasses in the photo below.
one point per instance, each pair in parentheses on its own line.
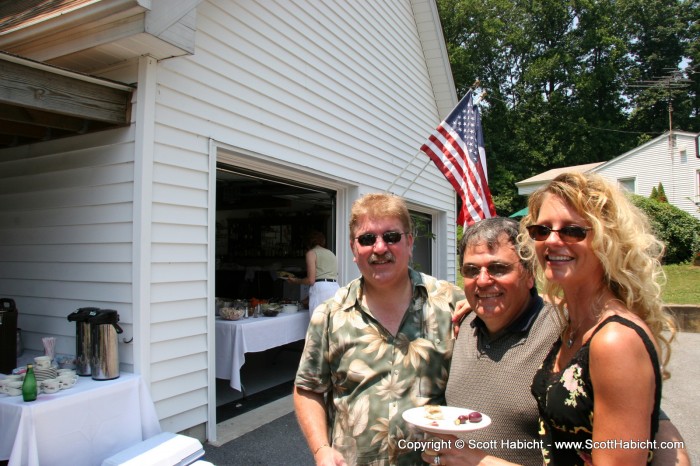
(389,237)
(568,234)
(494,269)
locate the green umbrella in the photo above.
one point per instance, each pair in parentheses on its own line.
(520,213)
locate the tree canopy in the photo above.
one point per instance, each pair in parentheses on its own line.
(565,82)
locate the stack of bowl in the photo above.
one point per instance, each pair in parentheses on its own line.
(12,384)
(231,313)
(290,308)
(270,310)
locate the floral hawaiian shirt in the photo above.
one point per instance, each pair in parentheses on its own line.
(372,376)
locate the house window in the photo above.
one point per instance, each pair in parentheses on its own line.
(684,156)
(421,258)
(628,184)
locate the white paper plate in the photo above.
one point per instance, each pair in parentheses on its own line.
(416,416)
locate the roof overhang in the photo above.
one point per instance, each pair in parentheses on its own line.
(435,52)
(56,53)
(41,102)
(91,35)
(532,184)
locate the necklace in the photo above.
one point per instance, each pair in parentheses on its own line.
(572,335)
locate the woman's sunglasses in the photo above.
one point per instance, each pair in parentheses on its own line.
(494,269)
(568,234)
(389,237)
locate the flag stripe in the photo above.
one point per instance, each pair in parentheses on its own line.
(456,149)
(453,160)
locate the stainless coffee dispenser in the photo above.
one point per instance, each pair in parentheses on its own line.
(83,338)
(104,361)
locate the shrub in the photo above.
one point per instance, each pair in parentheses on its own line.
(661,197)
(679,230)
(654,193)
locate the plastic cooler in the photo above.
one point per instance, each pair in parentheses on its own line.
(164,449)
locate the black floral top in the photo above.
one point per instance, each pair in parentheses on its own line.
(565,401)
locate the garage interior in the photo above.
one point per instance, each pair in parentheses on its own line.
(261,227)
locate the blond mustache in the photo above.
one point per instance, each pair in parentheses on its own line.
(388,257)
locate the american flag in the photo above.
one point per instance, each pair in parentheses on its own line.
(457,149)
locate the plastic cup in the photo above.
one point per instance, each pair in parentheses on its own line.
(346,446)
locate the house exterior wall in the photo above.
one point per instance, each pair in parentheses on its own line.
(66,237)
(644,167)
(676,168)
(337,90)
(335,93)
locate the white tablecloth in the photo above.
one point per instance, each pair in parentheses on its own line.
(234,338)
(79,426)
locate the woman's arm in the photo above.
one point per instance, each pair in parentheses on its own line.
(624,386)
(310,270)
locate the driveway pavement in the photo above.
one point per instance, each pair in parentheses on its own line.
(681,393)
(280,442)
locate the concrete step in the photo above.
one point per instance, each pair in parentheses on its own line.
(688,316)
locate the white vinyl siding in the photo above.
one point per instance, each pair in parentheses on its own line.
(336,92)
(66,234)
(340,89)
(657,162)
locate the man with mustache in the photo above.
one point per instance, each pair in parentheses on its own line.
(381,346)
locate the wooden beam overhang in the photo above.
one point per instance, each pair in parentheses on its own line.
(40,102)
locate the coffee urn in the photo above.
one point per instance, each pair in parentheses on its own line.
(83,338)
(105,345)
(8,335)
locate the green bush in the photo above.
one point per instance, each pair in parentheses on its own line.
(679,230)
(658,194)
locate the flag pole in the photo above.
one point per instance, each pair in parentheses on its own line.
(471,89)
(427,162)
(403,170)
(413,158)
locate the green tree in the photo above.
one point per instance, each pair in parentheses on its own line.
(660,34)
(679,230)
(661,193)
(555,78)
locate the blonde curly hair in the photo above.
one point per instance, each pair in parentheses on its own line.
(622,241)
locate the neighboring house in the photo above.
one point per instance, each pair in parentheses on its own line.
(530,185)
(120,117)
(676,165)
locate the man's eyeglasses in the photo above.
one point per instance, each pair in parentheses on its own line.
(568,234)
(494,269)
(389,237)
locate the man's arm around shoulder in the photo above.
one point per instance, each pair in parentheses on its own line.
(670,456)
